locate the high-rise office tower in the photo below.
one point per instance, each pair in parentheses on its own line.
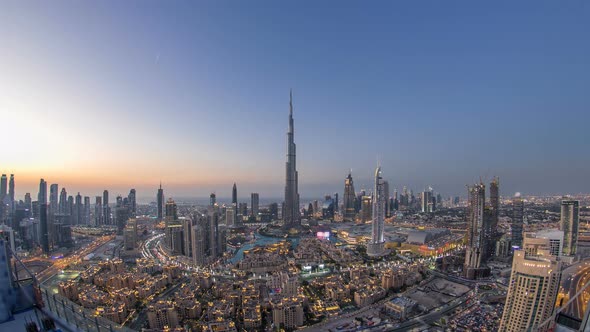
(63,202)
(476,240)
(212,199)
(54,199)
(3,187)
(517,220)
(212,240)
(122,214)
(171,210)
(291,215)
(160,203)
(273,209)
(494,213)
(231,215)
(42,196)
(349,197)
(336,202)
(533,288)
(71,208)
(52,210)
(78,210)
(366,212)
(187,225)
(254,204)
(86,219)
(426,201)
(376,246)
(221,240)
(29,203)
(358,202)
(98,218)
(11,192)
(395,206)
(569,223)
(106,213)
(234,195)
(199,244)
(44,228)
(243,209)
(132,202)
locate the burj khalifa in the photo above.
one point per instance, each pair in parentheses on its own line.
(291,216)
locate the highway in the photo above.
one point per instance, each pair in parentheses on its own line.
(60,264)
(573,279)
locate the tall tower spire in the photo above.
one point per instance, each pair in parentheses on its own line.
(291,216)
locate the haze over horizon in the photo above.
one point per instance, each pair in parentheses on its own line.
(115,96)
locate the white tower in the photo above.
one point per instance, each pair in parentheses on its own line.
(377,245)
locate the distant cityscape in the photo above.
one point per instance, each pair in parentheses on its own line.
(374,260)
(294,166)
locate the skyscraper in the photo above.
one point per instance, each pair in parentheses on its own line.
(212,240)
(199,244)
(254,204)
(71,211)
(98,219)
(234,195)
(231,215)
(569,223)
(44,228)
(426,201)
(63,202)
(494,213)
(212,199)
(106,214)
(517,220)
(533,288)
(3,187)
(53,199)
(476,240)
(349,197)
(42,196)
(376,246)
(187,225)
(171,210)
(86,219)
(291,215)
(79,210)
(29,203)
(11,192)
(132,202)
(160,200)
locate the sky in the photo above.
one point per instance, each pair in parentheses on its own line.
(121,94)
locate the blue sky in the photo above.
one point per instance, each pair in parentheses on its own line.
(123,94)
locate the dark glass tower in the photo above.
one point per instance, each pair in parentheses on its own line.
(106,209)
(517,220)
(160,201)
(11,191)
(234,195)
(44,228)
(349,196)
(291,216)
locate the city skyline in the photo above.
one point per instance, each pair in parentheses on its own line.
(305,166)
(453,103)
